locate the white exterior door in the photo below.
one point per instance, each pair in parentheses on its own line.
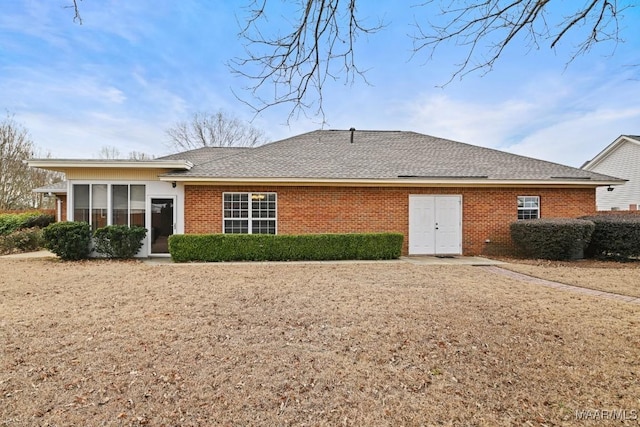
(435,225)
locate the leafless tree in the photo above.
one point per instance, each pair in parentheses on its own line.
(318,46)
(109,152)
(139,155)
(484,29)
(319,43)
(214,130)
(17,180)
(290,62)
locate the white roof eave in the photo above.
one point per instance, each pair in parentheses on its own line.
(109,164)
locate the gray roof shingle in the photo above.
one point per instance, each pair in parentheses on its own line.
(330,154)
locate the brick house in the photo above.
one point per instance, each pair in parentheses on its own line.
(446,197)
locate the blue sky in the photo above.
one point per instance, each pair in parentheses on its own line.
(132,69)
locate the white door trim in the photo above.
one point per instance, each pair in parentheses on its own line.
(149,220)
(435,224)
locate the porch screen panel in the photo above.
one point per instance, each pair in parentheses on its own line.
(98,206)
(137,200)
(120,204)
(81,202)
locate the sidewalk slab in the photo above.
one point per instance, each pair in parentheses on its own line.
(450,260)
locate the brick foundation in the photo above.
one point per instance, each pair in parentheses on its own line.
(486,212)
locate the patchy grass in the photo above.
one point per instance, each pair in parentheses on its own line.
(617,277)
(385,344)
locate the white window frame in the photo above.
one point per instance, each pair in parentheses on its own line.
(249,218)
(109,213)
(528,207)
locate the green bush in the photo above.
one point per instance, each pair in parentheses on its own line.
(268,247)
(27,240)
(119,241)
(616,236)
(68,240)
(11,222)
(40,220)
(553,238)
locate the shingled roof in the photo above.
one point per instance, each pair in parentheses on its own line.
(372,155)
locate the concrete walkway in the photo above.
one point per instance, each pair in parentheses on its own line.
(560,286)
(450,260)
(27,255)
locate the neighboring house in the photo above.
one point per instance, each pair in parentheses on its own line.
(446,197)
(59,191)
(621,159)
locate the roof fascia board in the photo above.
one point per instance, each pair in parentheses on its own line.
(393,182)
(109,164)
(610,149)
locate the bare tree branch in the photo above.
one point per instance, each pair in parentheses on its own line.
(486,28)
(318,45)
(214,130)
(76,10)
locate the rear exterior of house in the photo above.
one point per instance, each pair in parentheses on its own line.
(445,197)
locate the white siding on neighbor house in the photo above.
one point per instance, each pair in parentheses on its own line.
(622,162)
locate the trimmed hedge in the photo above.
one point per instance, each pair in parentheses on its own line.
(269,247)
(68,240)
(10,222)
(616,236)
(119,241)
(553,238)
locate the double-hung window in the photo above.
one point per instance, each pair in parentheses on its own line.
(249,213)
(528,207)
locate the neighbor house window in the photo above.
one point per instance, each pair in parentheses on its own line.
(109,204)
(528,207)
(249,213)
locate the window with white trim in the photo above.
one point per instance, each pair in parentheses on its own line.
(528,207)
(249,213)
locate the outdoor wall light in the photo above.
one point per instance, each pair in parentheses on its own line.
(173,184)
(609,188)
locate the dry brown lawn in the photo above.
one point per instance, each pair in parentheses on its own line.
(362,344)
(609,276)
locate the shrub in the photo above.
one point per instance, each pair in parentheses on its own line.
(68,240)
(268,247)
(40,220)
(10,222)
(119,241)
(616,236)
(28,240)
(554,238)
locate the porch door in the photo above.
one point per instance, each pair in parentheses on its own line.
(435,225)
(162,223)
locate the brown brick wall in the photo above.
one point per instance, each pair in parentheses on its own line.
(486,212)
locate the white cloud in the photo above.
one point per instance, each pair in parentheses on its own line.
(579,139)
(565,120)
